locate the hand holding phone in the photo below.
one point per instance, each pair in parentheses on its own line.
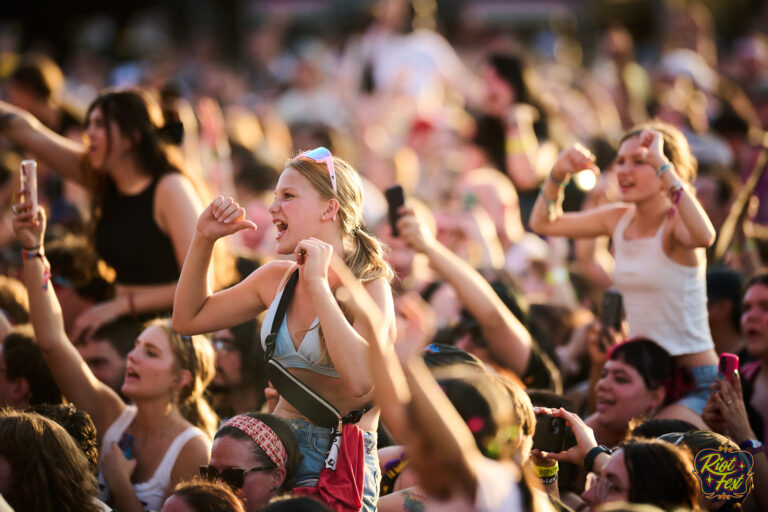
(612,309)
(726,367)
(395,199)
(28,177)
(550,433)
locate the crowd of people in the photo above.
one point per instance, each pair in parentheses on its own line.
(214,299)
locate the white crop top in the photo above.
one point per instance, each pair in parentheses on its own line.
(152,492)
(664,300)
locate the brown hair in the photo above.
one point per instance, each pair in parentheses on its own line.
(676,147)
(195,354)
(204,496)
(364,252)
(660,474)
(49,472)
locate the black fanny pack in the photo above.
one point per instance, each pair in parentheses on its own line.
(313,406)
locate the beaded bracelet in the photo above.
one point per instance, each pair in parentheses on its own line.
(32,253)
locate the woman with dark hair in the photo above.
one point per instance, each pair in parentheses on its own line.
(41,467)
(317,210)
(255,454)
(659,232)
(144,206)
(636,382)
(155,442)
(202,496)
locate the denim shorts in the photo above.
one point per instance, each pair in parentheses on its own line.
(703,378)
(313,445)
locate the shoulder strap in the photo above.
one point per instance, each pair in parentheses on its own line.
(282,308)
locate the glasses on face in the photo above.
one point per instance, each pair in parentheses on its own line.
(233,477)
(323,156)
(603,487)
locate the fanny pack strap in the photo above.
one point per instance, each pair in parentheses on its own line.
(306,393)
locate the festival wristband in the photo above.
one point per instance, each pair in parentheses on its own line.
(546,471)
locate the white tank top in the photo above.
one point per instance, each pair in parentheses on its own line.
(152,492)
(664,300)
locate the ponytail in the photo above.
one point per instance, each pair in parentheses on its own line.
(366,259)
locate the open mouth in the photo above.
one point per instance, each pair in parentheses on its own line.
(604,403)
(131,374)
(281,227)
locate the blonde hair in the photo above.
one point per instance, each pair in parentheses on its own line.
(194,354)
(676,147)
(364,252)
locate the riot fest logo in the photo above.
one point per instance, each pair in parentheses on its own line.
(724,473)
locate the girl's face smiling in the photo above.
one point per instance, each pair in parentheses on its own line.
(621,394)
(297,210)
(637,178)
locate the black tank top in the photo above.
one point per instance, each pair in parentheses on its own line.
(129,240)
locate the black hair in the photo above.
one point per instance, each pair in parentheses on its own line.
(120,333)
(298,504)
(23,358)
(655,427)
(39,75)
(724,283)
(652,362)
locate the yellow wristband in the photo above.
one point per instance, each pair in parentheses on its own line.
(546,471)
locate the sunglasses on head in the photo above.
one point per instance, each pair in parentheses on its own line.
(323,156)
(233,477)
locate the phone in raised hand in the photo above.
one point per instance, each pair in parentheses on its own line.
(395,199)
(28,177)
(727,365)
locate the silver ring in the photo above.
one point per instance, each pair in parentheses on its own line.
(730,402)
(14,210)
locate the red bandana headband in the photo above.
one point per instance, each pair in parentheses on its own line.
(262,435)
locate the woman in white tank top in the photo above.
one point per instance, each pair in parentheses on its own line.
(147,447)
(660,232)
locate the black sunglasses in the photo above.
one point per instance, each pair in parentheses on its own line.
(233,477)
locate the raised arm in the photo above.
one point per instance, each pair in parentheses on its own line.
(347,344)
(693,228)
(23,129)
(508,340)
(72,375)
(195,308)
(547,217)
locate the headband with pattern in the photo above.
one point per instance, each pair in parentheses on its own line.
(262,435)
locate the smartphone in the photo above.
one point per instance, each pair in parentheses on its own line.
(126,445)
(395,199)
(28,176)
(727,365)
(550,433)
(612,308)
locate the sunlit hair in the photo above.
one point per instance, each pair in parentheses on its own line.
(49,473)
(203,496)
(364,252)
(195,354)
(676,147)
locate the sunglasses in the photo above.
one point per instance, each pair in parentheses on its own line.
(323,156)
(233,477)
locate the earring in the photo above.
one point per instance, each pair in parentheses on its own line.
(274,487)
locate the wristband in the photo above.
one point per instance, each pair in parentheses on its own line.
(589,460)
(546,471)
(664,168)
(553,180)
(552,204)
(38,253)
(549,480)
